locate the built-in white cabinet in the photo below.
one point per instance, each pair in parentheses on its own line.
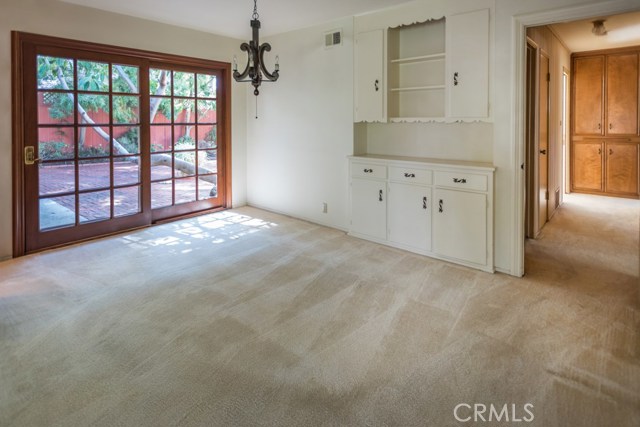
(442,209)
(370,84)
(437,70)
(467,62)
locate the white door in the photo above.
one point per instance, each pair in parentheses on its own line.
(467,55)
(369,76)
(369,208)
(460,225)
(410,215)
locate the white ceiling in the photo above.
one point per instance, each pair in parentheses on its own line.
(622,30)
(231,17)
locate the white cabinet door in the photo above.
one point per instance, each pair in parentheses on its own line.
(467,80)
(460,225)
(369,76)
(369,208)
(410,215)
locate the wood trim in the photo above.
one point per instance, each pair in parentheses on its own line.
(629,49)
(21,41)
(17,126)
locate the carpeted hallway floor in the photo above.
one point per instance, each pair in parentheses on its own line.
(248,318)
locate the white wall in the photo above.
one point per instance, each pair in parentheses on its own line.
(59,19)
(298,147)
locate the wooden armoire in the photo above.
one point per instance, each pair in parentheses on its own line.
(605,133)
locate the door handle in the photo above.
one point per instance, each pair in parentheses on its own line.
(455,78)
(380,196)
(424,202)
(543,151)
(610,151)
(375,84)
(30,156)
(599,150)
(440,206)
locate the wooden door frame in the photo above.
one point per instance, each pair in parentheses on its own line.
(19,42)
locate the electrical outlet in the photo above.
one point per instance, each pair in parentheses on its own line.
(325,208)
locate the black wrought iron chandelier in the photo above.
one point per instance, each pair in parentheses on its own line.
(255,71)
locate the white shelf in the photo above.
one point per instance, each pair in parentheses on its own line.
(415,119)
(416,88)
(423,58)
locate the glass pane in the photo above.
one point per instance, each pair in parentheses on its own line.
(185,138)
(93,76)
(160,166)
(161,194)
(126,109)
(129,139)
(206,86)
(57,177)
(55,73)
(93,141)
(124,78)
(183,84)
(207,187)
(95,206)
(160,110)
(206,111)
(207,136)
(183,110)
(55,108)
(126,170)
(57,212)
(94,174)
(96,108)
(126,201)
(160,138)
(184,163)
(185,190)
(56,143)
(159,82)
(207,161)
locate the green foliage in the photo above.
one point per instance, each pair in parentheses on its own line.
(54,150)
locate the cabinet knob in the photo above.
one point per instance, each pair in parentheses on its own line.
(409,175)
(599,150)
(460,180)
(599,126)
(440,206)
(543,151)
(380,196)
(375,84)
(610,126)
(455,78)
(424,202)
(368,170)
(610,151)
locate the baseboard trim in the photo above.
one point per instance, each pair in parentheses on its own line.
(311,220)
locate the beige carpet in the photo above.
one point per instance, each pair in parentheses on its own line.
(247,318)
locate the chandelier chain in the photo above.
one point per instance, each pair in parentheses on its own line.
(255,10)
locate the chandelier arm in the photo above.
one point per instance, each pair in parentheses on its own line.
(241,76)
(266,47)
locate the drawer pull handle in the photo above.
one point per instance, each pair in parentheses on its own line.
(440,206)
(424,202)
(610,151)
(380,196)
(368,170)
(409,175)
(460,180)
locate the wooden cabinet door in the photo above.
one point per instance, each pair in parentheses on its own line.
(410,215)
(369,208)
(622,94)
(467,48)
(587,165)
(460,225)
(622,168)
(588,80)
(369,76)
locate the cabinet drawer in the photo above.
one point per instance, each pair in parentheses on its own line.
(410,175)
(368,170)
(461,180)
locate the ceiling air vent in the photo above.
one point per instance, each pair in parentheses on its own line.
(332,38)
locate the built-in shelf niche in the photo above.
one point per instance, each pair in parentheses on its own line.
(416,84)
